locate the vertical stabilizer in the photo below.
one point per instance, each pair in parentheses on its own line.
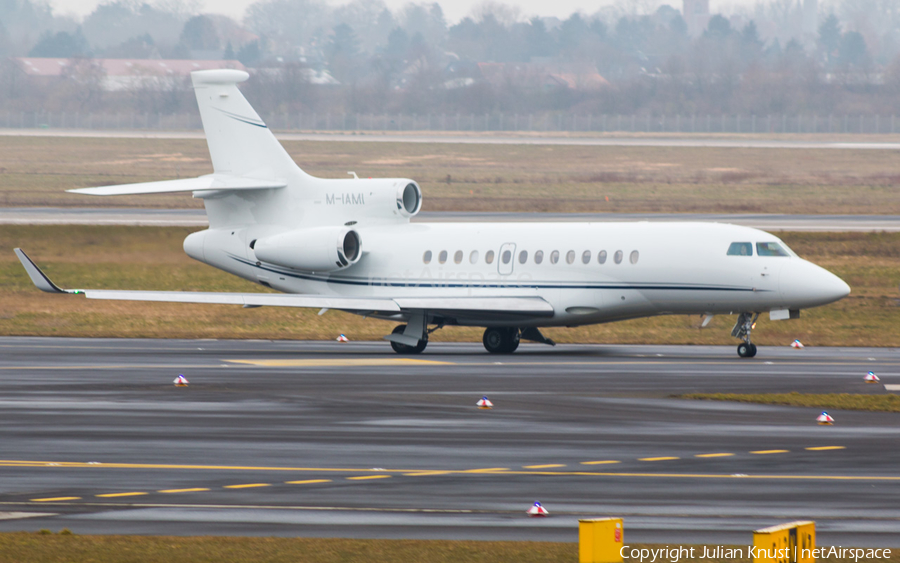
(239,142)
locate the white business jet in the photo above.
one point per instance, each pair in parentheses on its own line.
(348,244)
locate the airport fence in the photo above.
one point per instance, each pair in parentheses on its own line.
(491,122)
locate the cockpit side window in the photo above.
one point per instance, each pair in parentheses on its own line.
(740,249)
(770,249)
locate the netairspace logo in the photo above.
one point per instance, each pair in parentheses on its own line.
(677,553)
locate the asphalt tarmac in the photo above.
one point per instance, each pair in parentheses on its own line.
(197,218)
(350,440)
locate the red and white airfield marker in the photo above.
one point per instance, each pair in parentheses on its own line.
(342,338)
(871,378)
(796,344)
(825,419)
(537,510)
(484,403)
(180,381)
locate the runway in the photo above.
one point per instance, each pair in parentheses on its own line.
(757,141)
(197,218)
(350,440)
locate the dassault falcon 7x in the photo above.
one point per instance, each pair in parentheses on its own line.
(348,244)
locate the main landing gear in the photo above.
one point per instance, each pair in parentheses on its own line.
(742,329)
(405,348)
(501,340)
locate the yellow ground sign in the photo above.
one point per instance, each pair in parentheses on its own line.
(793,542)
(600,540)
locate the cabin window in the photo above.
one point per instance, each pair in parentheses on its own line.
(586,257)
(740,249)
(458,256)
(554,257)
(442,257)
(473,257)
(570,257)
(601,257)
(427,257)
(617,257)
(506,256)
(523,257)
(634,257)
(770,249)
(489,257)
(538,256)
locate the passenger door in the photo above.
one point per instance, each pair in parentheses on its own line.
(506,258)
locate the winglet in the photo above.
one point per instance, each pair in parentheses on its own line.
(37,276)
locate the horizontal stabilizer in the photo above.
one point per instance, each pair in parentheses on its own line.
(208,182)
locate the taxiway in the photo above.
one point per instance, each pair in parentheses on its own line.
(329,439)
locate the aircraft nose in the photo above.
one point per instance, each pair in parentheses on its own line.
(803,284)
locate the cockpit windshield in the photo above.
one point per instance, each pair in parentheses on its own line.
(771,249)
(740,249)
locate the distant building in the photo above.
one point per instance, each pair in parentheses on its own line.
(696,15)
(116,75)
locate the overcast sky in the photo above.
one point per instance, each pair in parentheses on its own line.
(453,9)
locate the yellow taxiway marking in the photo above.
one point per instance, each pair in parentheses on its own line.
(548,466)
(247,486)
(364,477)
(714,455)
(342,362)
(55,499)
(764,452)
(308,482)
(823,448)
(601,462)
(113,495)
(486,470)
(425,473)
(665,458)
(198,490)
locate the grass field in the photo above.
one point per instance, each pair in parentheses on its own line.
(152,258)
(842,401)
(55,548)
(35,171)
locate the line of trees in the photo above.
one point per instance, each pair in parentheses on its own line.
(412,60)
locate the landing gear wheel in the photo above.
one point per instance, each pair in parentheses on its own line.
(403,348)
(501,340)
(746,350)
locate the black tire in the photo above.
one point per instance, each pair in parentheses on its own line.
(501,340)
(745,350)
(403,348)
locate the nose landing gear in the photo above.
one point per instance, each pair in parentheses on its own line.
(742,329)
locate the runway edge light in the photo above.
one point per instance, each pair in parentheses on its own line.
(825,419)
(537,510)
(798,538)
(600,540)
(180,381)
(342,338)
(871,378)
(484,403)
(797,344)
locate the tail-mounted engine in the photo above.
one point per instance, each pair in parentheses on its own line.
(318,249)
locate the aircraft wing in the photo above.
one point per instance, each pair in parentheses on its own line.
(208,182)
(466,307)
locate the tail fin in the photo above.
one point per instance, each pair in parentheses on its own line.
(239,142)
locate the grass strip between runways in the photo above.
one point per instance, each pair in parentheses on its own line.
(48,547)
(840,401)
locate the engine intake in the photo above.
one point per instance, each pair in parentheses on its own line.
(409,199)
(320,249)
